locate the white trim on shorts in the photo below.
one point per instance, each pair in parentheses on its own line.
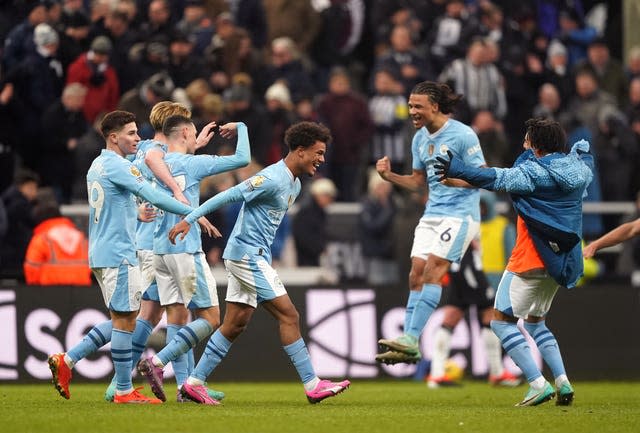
(444,237)
(252,281)
(185,278)
(121,287)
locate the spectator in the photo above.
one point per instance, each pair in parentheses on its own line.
(497,238)
(74,37)
(346,114)
(196,25)
(184,67)
(493,141)
(123,38)
(287,66)
(58,252)
(557,69)
(279,110)
(575,35)
(93,70)
(18,203)
(19,43)
(309,225)
(478,80)
(450,35)
(38,82)
(140,100)
(158,24)
(404,58)
(548,102)
(633,62)
(242,107)
(376,231)
(249,14)
(63,125)
(89,147)
(609,72)
(389,113)
(295,19)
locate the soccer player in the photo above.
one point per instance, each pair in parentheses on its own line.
(620,234)
(468,285)
(150,161)
(547,187)
(183,276)
(111,182)
(451,217)
(266,197)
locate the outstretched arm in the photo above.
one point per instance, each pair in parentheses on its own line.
(615,236)
(162,200)
(229,196)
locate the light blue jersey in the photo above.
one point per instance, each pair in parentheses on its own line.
(188,171)
(267,196)
(144,231)
(112,182)
(463,142)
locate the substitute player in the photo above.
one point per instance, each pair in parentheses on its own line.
(451,217)
(266,197)
(182,273)
(468,285)
(111,182)
(547,187)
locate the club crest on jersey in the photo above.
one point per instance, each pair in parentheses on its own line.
(134,171)
(443,149)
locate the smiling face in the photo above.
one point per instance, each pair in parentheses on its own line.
(421,110)
(125,141)
(310,158)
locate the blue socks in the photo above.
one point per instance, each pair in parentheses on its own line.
(424,306)
(94,340)
(547,345)
(186,338)
(299,356)
(181,363)
(139,340)
(217,348)
(414,295)
(516,346)
(121,355)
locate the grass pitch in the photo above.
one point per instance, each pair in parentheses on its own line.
(368,407)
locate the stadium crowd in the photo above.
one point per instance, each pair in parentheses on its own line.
(349,64)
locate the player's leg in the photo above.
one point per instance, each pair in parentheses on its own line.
(61,364)
(236,318)
(186,271)
(442,343)
(546,341)
(514,299)
(316,390)
(498,375)
(124,303)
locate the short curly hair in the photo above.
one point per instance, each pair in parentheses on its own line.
(546,135)
(306,134)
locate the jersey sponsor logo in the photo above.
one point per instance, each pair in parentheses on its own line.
(474,149)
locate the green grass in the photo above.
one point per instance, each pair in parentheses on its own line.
(368,407)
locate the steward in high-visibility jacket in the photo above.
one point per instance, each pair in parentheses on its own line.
(57,255)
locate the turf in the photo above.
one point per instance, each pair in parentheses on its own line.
(381,406)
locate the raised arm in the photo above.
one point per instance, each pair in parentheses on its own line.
(415,181)
(162,200)
(155,161)
(619,234)
(242,157)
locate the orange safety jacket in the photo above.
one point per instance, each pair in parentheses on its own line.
(57,255)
